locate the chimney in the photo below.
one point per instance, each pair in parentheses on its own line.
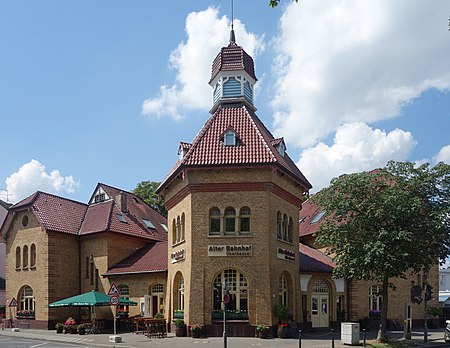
(121,201)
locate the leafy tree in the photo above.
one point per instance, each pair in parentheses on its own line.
(274,3)
(387,223)
(147,191)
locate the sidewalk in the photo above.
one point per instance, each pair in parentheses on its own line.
(131,340)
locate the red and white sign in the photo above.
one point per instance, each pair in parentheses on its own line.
(113,290)
(114,300)
(13,303)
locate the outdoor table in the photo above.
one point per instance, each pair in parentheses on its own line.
(155,327)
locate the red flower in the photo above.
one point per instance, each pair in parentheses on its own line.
(283,325)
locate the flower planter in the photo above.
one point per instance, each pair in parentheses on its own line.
(263,334)
(283,332)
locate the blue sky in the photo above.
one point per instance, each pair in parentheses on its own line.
(104,91)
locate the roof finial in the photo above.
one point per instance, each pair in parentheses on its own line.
(232,37)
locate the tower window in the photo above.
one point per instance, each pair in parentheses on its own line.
(230,138)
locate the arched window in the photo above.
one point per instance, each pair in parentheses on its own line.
(290,230)
(125,294)
(230,220)
(181,294)
(279,225)
(320,286)
(18,257)
(183,221)
(25,257)
(178,229)
(27,299)
(174,232)
(375,298)
(283,290)
(214,221)
(285,228)
(33,256)
(236,284)
(244,220)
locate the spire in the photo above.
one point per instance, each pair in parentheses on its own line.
(232,37)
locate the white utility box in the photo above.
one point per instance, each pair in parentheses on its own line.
(350,333)
(115,339)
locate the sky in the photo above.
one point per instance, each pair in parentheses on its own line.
(104,91)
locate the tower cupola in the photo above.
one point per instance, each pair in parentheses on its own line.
(233,76)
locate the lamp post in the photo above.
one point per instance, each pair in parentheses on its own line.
(225,299)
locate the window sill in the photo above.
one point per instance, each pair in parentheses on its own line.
(284,241)
(246,235)
(33,268)
(178,243)
(25,268)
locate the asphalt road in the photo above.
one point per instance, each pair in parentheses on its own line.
(19,342)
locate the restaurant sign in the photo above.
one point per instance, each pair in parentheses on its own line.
(285,254)
(230,250)
(177,256)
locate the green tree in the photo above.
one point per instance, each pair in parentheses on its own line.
(387,223)
(274,3)
(147,191)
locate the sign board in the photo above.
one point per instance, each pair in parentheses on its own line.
(226,298)
(177,256)
(114,300)
(230,250)
(13,303)
(285,254)
(113,290)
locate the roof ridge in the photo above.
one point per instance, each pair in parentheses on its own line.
(39,193)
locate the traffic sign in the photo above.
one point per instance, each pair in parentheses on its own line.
(13,303)
(113,290)
(114,300)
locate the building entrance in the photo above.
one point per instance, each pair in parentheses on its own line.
(320,304)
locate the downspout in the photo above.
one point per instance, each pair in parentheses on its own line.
(79,270)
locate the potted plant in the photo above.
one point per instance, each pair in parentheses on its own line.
(196,330)
(59,327)
(81,329)
(70,325)
(283,330)
(262,330)
(180,328)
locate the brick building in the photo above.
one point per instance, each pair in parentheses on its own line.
(57,248)
(327,300)
(233,198)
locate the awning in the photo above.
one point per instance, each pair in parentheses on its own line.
(91,298)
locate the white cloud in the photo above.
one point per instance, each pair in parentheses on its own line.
(356,148)
(443,155)
(192,60)
(343,61)
(32,177)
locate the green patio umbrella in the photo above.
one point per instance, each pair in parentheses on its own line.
(91,298)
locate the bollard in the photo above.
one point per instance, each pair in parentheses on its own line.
(299,338)
(332,338)
(364,338)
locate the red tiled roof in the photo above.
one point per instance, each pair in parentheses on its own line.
(254,146)
(306,216)
(233,58)
(102,216)
(55,213)
(151,258)
(313,261)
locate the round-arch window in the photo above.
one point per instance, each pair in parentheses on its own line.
(25,221)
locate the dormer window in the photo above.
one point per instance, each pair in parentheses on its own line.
(230,138)
(183,150)
(281,149)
